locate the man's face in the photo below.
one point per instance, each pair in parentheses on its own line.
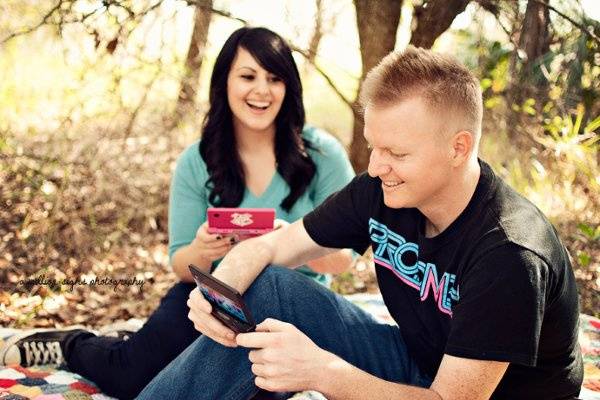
(410,153)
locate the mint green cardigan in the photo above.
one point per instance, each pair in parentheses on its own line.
(189,197)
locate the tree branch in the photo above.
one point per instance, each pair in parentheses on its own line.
(577,24)
(329,81)
(222,13)
(33,28)
(197,3)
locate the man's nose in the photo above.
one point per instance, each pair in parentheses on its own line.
(377,164)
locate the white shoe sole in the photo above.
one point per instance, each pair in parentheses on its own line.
(10,354)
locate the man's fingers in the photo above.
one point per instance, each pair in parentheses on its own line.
(256,356)
(207,321)
(273,325)
(263,356)
(209,326)
(204,322)
(265,371)
(258,340)
(197,300)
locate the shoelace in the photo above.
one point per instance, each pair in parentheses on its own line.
(40,353)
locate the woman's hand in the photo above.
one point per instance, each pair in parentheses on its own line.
(279,223)
(210,246)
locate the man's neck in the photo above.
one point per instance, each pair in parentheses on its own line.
(449,204)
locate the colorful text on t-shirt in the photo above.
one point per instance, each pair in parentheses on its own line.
(388,251)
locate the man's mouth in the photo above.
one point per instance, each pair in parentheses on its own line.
(258,105)
(391,184)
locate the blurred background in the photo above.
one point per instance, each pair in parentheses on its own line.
(98,98)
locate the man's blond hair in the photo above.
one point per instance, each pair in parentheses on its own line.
(440,80)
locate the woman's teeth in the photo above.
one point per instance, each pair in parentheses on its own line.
(259,105)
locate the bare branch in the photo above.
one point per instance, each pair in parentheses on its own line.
(577,24)
(44,21)
(136,16)
(306,55)
(140,105)
(222,13)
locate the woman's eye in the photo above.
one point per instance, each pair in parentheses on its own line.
(275,79)
(248,77)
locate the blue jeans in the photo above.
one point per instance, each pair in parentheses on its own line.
(208,370)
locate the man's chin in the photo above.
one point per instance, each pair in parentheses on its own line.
(394,202)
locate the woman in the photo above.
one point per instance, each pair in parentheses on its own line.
(254,152)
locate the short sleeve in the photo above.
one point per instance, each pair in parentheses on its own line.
(341,221)
(501,307)
(334,170)
(188,199)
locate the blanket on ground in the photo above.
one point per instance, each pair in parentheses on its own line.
(46,383)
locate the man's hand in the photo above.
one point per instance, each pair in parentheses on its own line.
(285,359)
(204,322)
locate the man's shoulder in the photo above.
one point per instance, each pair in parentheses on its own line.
(511,219)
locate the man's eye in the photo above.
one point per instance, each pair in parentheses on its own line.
(397,155)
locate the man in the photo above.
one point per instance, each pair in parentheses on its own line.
(474,275)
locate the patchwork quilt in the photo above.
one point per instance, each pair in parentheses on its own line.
(46,383)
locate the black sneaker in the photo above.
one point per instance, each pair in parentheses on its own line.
(35,347)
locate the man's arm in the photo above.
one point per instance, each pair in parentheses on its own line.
(290,246)
(334,263)
(457,379)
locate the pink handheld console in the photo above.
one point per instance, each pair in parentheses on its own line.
(242,221)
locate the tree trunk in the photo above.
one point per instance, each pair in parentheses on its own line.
(377,25)
(535,36)
(527,79)
(433,18)
(193,62)
(535,42)
(315,39)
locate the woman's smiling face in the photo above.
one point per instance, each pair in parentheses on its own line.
(255,95)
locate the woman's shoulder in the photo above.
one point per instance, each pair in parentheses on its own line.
(321,141)
(191,154)
(190,161)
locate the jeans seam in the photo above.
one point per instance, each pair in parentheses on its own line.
(236,392)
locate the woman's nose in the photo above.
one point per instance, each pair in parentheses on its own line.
(262,86)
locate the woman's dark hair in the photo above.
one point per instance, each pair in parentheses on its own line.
(218,147)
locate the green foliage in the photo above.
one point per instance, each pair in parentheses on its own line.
(590,232)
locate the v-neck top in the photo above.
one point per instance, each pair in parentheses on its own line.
(188,199)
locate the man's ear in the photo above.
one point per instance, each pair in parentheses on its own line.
(462,143)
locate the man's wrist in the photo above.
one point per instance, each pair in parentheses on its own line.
(333,367)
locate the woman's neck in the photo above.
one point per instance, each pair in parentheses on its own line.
(249,140)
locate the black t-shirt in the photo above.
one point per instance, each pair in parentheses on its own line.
(496,284)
